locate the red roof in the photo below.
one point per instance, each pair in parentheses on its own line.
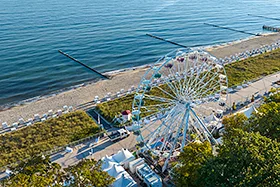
(126,112)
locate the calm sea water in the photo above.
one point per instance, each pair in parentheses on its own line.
(107,35)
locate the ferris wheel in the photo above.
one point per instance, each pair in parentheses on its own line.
(173,100)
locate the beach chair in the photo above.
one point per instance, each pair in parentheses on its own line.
(70,108)
(5,125)
(21,121)
(50,113)
(29,122)
(36,118)
(59,112)
(15,125)
(118,94)
(65,109)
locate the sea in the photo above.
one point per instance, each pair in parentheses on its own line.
(108,35)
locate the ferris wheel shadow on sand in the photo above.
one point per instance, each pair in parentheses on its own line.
(180,91)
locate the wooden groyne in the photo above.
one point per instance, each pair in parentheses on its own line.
(274,29)
(72,58)
(228,28)
(258,16)
(174,43)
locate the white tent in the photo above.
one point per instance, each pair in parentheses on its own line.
(210,118)
(108,159)
(123,157)
(115,171)
(107,164)
(124,180)
(248,111)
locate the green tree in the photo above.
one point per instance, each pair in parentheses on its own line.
(36,172)
(191,159)
(244,159)
(88,172)
(267,121)
(238,120)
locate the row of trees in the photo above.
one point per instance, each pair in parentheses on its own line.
(45,136)
(40,172)
(249,155)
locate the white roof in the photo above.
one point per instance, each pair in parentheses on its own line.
(122,155)
(115,171)
(121,130)
(108,159)
(69,150)
(124,180)
(107,164)
(150,177)
(137,161)
(210,118)
(248,111)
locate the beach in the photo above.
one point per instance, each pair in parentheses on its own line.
(120,80)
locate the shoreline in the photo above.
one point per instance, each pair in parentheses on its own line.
(121,79)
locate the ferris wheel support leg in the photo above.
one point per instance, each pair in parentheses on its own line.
(176,139)
(205,128)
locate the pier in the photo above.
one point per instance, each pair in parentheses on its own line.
(228,28)
(72,58)
(269,28)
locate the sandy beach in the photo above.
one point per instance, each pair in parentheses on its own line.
(122,80)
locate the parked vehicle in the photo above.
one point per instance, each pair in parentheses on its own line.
(119,134)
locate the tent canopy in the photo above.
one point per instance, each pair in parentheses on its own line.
(248,111)
(107,164)
(124,180)
(115,171)
(122,156)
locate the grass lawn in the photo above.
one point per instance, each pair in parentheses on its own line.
(44,136)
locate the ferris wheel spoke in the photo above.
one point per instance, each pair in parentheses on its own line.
(171,87)
(173,115)
(189,81)
(207,92)
(161,106)
(203,126)
(203,78)
(207,83)
(167,131)
(175,141)
(195,79)
(157,98)
(167,93)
